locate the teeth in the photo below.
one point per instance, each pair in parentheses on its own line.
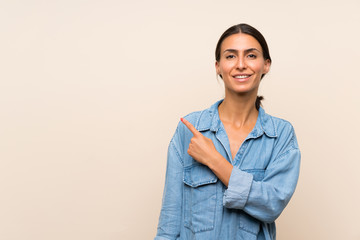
(242,76)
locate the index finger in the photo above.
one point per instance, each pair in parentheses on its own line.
(189,126)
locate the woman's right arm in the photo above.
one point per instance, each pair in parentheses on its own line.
(171,210)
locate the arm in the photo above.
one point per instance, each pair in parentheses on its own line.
(266,199)
(203,150)
(170,216)
(263,200)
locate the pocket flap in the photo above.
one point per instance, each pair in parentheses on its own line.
(197,175)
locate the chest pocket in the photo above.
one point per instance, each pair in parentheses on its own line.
(199,198)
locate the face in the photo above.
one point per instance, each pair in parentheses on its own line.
(241,63)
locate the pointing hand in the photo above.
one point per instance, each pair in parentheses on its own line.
(201,148)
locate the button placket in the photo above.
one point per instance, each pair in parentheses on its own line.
(240,154)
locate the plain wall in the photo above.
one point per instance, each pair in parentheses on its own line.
(91,93)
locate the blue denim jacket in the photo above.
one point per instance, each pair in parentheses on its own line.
(197,205)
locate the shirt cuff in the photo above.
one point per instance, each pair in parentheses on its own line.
(237,193)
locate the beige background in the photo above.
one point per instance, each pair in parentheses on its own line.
(91,93)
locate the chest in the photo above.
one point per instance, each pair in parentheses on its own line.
(236,137)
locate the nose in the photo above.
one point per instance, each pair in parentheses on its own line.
(241,63)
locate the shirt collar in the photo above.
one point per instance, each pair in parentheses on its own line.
(210,120)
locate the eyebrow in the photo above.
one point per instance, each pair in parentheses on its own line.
(246,51)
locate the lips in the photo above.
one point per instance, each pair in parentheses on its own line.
(241,76)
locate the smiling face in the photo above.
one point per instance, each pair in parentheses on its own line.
(241,64)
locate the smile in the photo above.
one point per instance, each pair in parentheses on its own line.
(242,77)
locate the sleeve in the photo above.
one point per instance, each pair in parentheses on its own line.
(266,199)
(170,215)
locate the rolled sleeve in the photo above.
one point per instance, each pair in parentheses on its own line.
(237,193)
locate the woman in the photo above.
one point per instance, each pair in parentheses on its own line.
(232,168)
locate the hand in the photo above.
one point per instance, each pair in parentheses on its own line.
(201,148)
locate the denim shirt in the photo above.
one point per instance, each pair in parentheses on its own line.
(197,205)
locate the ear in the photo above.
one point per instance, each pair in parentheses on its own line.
(217,67)
(267,66)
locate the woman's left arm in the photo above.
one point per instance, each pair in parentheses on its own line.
(266,199)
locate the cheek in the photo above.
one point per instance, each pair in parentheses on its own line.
(225,68)
(258,67)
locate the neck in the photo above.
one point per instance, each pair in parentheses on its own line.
(239,110)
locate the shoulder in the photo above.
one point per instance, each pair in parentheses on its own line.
(282,126)
(274,126)
(285,132)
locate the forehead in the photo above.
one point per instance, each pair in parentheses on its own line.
(240,41)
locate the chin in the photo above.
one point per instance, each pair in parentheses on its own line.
(243,90)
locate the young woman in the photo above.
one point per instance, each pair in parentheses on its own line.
(232,168)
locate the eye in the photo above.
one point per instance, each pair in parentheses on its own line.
(252,56)
(231,56)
